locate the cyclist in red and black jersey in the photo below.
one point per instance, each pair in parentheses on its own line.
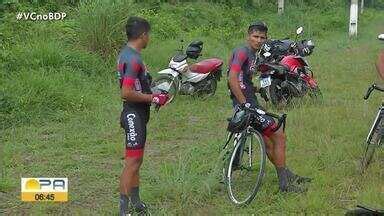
(242,65)
(137,98)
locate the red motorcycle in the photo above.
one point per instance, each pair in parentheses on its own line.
(285,73)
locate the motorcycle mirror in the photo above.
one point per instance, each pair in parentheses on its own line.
(267,54)
(381,37)
(299,30)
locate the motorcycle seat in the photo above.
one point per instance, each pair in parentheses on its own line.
(179,57)
(206,66)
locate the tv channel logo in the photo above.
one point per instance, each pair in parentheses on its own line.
(44,189)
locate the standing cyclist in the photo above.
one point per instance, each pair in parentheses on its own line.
(241,67)
(137,98)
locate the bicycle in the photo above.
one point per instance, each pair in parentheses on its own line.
(374,138)
(245,161)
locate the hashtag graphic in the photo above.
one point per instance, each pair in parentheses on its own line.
(19,16)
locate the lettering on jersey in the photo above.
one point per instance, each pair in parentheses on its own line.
(131,134)
(241,80)
(138,85)
(260,119)
(252,66)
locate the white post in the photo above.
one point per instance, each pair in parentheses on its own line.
(362,6)
(280,7)
(353,16)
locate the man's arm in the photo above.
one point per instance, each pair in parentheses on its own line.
(130,70)
(128,93)
(234,85)
(238,59)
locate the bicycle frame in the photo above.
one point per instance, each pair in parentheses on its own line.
(379,116)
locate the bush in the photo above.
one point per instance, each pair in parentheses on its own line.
(100,24)
(29,95)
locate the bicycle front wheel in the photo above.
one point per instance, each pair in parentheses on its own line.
(246,167)
(372,143)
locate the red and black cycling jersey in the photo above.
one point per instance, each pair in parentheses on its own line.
(134,116)
(133,73)
(243,62)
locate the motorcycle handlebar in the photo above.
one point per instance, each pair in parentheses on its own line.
(370,89)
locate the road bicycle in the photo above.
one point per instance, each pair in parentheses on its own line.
(244,161)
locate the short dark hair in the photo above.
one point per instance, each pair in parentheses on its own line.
(258,26)
(136,26)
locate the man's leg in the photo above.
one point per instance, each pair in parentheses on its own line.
(278,140)
(134,124)
(269,149)
(129,179)
(286,177)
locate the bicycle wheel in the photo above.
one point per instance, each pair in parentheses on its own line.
(372,143)
(246,167)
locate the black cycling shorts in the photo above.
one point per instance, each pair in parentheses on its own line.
(265,124)
(134,122)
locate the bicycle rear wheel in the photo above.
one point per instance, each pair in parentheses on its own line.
(372,143)
(246,167)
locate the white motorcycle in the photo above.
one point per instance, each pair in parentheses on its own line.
(199,79)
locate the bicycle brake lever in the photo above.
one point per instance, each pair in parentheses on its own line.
(370,89)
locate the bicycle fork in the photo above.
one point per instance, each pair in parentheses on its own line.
(377,123)
(241,139)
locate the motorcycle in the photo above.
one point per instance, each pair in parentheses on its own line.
(285,73)
(197,79)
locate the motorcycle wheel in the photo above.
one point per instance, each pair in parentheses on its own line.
(212,87)
(166,80)
(279,96)
(207,90)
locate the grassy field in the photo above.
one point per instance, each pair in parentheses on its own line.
(67,125)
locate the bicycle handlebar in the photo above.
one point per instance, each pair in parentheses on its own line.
(281,119)
(370,89)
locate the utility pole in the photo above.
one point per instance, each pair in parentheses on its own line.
(362,6)
(280,7)
(353,17)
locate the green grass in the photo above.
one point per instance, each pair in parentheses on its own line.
(62,115)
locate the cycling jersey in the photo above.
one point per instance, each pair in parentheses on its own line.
(132,73)
(243,62)
(134,116)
